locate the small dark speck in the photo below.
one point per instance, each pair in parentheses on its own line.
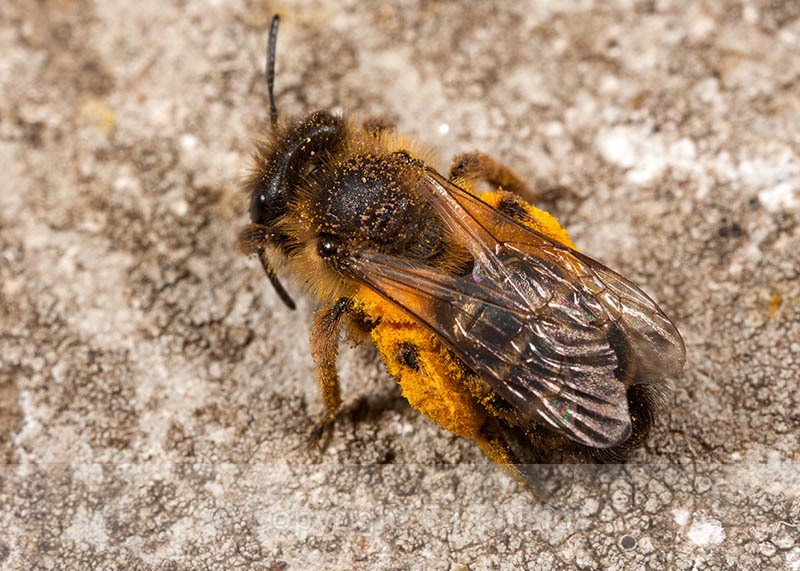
(408,355)
(733,229)
(628,542)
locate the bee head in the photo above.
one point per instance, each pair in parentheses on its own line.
(291,156)
(323,187)
(280,162)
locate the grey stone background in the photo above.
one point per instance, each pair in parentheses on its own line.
(155,396)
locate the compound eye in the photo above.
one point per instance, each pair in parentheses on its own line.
(328,245)
(259,205)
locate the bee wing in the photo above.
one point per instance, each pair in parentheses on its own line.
(546,327)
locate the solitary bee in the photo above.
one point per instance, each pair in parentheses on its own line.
(494,325)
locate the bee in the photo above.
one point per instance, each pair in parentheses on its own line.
(493,323)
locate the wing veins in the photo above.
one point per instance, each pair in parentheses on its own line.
(534,319)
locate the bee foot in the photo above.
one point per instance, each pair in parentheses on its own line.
(321,434)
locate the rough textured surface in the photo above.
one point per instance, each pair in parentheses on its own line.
(155,397)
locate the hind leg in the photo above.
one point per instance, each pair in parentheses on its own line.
(494,444)
(526,455)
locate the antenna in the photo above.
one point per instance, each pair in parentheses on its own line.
(276,283)
(273,40)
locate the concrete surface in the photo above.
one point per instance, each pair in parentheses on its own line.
(155,397)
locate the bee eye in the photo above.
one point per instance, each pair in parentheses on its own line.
(328,246)
(258,208)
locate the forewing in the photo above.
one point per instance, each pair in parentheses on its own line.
(543,325)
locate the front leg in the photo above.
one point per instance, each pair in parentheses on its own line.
(325,350)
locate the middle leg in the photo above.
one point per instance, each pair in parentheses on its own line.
(480,166)
(477,166)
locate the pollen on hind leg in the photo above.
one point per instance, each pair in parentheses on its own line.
(432,381)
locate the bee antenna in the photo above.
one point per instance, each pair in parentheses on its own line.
(279,289)
(273,40)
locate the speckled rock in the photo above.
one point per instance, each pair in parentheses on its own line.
(156,398)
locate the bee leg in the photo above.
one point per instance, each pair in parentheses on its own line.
(499,443)
(377,125)
(480,166)
(495,446)
(477,166)
(325,350)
